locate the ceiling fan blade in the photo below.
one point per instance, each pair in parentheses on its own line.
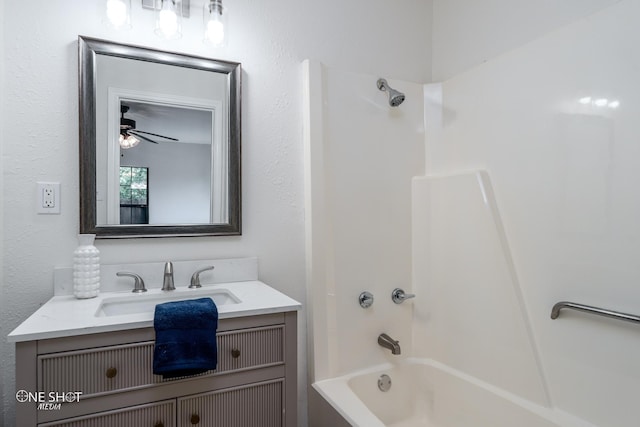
(143,137)
(155,134)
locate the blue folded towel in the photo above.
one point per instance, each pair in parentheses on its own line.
(185,337)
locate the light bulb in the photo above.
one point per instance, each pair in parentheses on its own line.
(601,102)
(168,19)
(215,32)
(168,23)
(133,141)
(128,141)
(215,23)
(118,13)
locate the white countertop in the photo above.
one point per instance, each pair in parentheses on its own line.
(66,315)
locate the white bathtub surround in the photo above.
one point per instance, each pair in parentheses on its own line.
(360,156)
(473,316)
(554,122)
(428,393)
(565,174)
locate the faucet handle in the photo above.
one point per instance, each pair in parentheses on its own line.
(399,296)
(195,279)
(365,299)
(138,285)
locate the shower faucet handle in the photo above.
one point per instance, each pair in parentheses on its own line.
(399,296)
(365,299)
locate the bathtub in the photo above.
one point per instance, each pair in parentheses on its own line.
(426,393)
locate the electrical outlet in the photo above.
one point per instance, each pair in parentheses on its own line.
(48,198)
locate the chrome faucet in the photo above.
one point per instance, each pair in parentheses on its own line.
(195,279)
(138,285)
(167,282)
(387,342)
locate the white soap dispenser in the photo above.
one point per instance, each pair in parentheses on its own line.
(86,268)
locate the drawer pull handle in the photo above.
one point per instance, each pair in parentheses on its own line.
(159,424)
(195,419)
(112,372)
(235,353)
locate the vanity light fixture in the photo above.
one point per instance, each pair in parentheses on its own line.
(119,13)
(168,18)
(215,23)
(599,102)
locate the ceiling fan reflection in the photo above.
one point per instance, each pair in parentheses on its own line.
(130,136)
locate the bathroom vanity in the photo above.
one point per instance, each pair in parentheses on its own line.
(82,366)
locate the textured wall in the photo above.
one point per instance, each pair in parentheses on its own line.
(270,39)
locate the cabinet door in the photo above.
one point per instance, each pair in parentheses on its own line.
(160,414)
(254,405)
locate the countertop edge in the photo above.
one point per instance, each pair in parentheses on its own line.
(137,325)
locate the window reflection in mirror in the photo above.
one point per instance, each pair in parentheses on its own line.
(134,195)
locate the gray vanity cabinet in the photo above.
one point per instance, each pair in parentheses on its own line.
(250,405)
(254,384)
(160,414)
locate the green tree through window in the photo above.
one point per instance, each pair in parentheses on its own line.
(134,186)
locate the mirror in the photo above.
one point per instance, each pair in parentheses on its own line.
(159,143)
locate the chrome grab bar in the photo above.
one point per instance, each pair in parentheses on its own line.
(555,312)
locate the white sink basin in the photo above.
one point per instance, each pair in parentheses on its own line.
(146,303)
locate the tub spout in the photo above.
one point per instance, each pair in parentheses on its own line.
(387,342)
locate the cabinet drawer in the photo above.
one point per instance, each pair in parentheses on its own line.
(161,414)
(112,369)
(98,370)
(253,405)
(250,348)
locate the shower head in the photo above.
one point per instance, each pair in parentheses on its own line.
(395,98)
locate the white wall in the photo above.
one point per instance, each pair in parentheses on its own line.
(270,39)
(469,32)
(179,180)
(565,178)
